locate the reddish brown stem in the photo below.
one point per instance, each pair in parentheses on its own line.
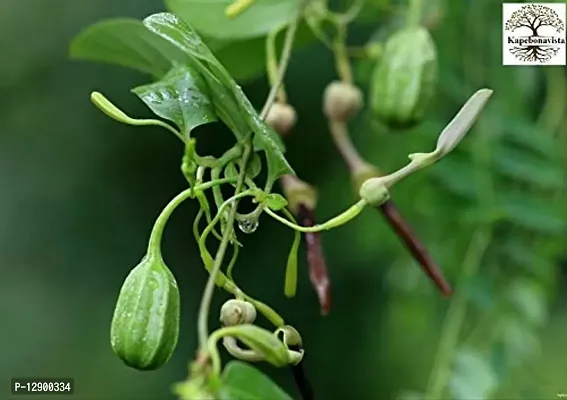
(317,267)
(417,250)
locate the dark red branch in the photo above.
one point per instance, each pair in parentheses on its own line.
(317,267)
(412,243)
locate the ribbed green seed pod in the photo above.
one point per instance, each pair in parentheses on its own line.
(405,78)
(145,325)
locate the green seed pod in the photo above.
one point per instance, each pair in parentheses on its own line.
(145,325)
(405,78)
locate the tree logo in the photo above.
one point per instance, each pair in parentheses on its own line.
(534,34)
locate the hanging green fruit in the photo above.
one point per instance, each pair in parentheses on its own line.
(145,325)
(405,78)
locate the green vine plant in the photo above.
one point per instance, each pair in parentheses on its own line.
(191,87)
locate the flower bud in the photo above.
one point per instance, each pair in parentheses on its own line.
(282,118)
(237,312)
(342,101)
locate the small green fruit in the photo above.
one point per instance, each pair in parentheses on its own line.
(145,325)
(405,78)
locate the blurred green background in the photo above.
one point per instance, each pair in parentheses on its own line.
(80,193)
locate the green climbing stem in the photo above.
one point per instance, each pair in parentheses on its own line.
(335,222)
(154,245)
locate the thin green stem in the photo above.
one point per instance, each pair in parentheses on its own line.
(335,222)
(350,15)
(272,63)
(343,143)
(209,288)
(414,12)
(154,245)
(211,346)
(217,194)
(342,60)
(221,211)
(286,56)
(455,315)
(196,224)
(235,251)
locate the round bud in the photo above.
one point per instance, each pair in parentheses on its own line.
(282,118)
(237,312)
(374,192)
(342,101)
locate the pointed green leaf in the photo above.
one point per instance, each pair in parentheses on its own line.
(528,298)
(472,378)
(128,43)
(233,107)
(181,96)
(524,167)
(525,133)
(520,342)
(209,19)
(525,257)
(529,213)
(241,381)
(457,174)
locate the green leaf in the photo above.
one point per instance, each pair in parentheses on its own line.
(525,257)
(524,133)
(529,299)
(252,171)
(182,97)
(233,107)
(276,201)
(457,174)
(473,378)
(208,17)
(241,381)
(530,213)
(520,342)
(524,167)
(128,43)
(230,171)
(254,166)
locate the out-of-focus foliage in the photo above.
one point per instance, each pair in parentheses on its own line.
(80,194)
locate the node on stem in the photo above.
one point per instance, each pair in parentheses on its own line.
(374,192)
